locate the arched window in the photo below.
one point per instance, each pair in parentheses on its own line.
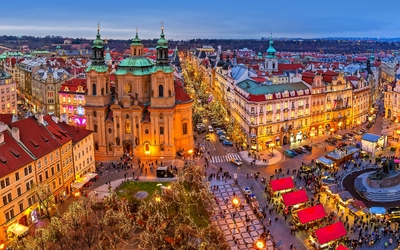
(128,127)
(160,91)
(94,89)
(94,113)
(184,128)
(110,147)
(95,128)
(96,146)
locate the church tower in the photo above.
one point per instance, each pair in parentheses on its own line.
(98,95)
(136,46)
(162,78)
(271,62)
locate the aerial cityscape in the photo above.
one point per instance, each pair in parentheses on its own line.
(201,125)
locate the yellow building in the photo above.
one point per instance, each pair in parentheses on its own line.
(151,116)
(17,179)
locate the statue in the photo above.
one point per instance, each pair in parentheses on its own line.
(385,167)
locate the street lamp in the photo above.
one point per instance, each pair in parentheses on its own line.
(259,244)
(312,134)
(190,151)
(332,130)
(272,146)
(235,202)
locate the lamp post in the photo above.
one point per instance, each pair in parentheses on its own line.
(312,134)
(190,151)
(272,146)
(235,202)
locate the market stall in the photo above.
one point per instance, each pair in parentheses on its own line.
(378,213)
(341,247)
(280,185)
(326,236)
(345,198)
(373,143)
(309,215)
(325,162)
(358,208)
(81,182)
(18,230)
(295,198)
(343,154)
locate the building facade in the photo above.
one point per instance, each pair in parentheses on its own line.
(8,94)
(73,101)
(151,116)
(45,87)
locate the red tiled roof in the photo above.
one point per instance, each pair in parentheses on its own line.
(35,137)
(78,134)
(351,78)
(180,94)
(60,134)
(308,80)
(258,79)
(256,98)
(12,155)
(6,118)
(290,66)
(73,85)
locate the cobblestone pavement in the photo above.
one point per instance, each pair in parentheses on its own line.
(240,226)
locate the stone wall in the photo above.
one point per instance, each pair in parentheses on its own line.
(385,182)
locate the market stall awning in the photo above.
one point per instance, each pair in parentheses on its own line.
(296,197)
(341,247)
(311,214)
(82,181)
(19,229)
(281,184)
(377,210)
(371,137)
(330,233)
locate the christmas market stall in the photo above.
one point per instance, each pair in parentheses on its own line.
(327,236)
(343,154)
(373,143)
(295,199)
(357,208)
(80,183)
(281,185)
(309,216)
(341,247)
(378,213)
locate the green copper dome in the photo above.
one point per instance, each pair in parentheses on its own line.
(271,50)
(162,42)
(98,43)
(137,61)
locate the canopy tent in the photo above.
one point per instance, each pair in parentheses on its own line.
(18,229)
(281,184)
(296,197)
(341,247)
(330,233)
(325,161)
(82,181)
(311,214)
(377,210)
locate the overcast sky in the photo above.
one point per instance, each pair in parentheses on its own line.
(187,19)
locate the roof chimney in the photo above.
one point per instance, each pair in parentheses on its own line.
(3,126)
(15,133)
(1,137)
(54,118)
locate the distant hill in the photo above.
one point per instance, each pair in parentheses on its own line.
(336,45)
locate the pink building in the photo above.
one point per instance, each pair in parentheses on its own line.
(72,102)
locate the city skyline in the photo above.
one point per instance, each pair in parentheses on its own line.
(205,19)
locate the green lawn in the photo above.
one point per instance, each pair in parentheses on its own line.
(132,187)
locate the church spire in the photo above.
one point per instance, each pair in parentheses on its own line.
(136,45)
(98,49)
(271,50)
(162,49)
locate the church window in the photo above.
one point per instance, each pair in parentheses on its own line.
(94,89)
(127,116)
(110,147)
(95,128)
(109,130)
(161,130)
(94,113)
(160,90)
(128,129)
(96,146)
(146,131)
(184,128)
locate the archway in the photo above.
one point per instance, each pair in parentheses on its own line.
(128,148)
